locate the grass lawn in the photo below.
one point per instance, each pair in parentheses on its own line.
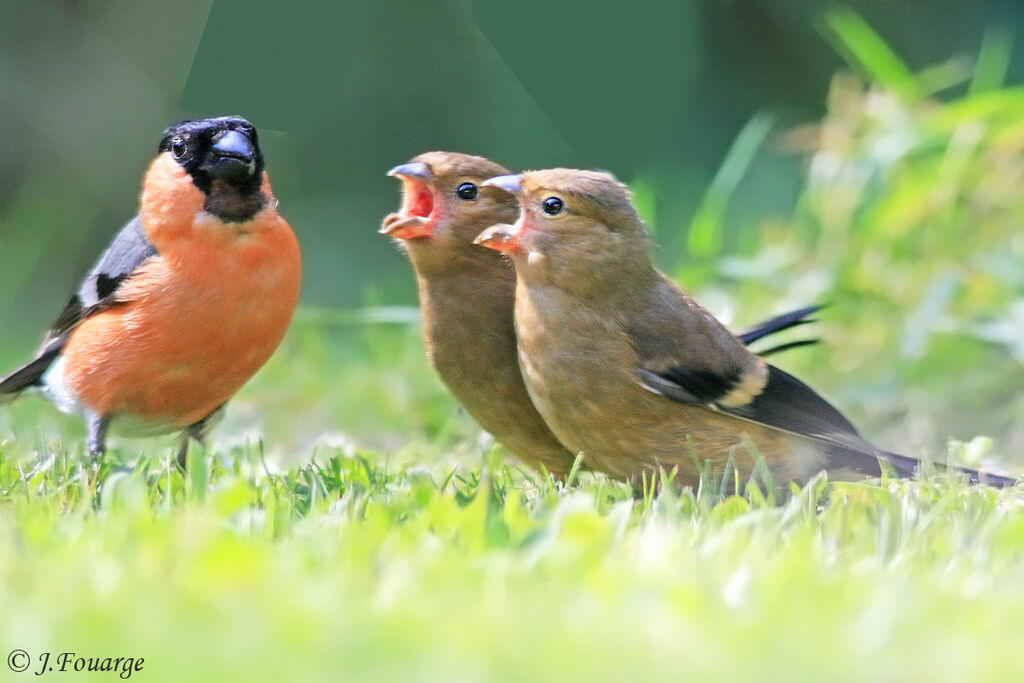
(436,558)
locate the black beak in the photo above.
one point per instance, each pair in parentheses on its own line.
(232,158)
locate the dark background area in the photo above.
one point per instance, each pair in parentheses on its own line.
(343,91)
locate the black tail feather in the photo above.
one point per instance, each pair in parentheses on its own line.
(788,345)
(30,375)
(842,457)
(902,464)
(906,467)
(778,324)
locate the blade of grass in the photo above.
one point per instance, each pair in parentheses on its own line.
(866,51)
(993,61)
(704,237)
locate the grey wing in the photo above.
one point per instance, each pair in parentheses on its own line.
(129,250)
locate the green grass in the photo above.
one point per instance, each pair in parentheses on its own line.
(349,522)
(440,559)
(356,566)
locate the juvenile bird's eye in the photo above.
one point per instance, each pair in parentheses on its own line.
(178,147)
(553,206)
(467,191)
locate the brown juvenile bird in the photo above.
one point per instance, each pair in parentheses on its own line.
(629,370)
(467,294)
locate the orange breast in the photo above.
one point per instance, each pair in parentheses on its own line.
(198,323)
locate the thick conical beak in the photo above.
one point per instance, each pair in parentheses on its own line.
(413,169)
(231,157)
(501,237)
(512,184)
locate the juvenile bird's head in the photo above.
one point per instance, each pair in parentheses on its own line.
(213,166)
(444,207)
(576,229)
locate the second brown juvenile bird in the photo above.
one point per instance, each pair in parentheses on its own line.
(629,370)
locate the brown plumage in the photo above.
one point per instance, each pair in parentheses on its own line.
(628,369)
(467,294)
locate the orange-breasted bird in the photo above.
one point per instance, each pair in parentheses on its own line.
(627,369)
(467,297)
(188,302)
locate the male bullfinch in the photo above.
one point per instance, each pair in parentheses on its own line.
(188,302)
(467,297)
(627,369)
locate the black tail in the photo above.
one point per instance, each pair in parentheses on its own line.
(30,375)
(869,464)
(801,316)
(906,467)
(787,346)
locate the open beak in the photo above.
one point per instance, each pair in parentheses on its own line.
(501,237)
(414,219)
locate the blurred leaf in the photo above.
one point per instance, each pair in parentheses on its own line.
(993,61)
(865,49)
(705,233)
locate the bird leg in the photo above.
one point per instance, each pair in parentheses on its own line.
(182,457)
(97,441)
(198,433)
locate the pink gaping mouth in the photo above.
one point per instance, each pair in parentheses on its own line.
(419,199)
(416,218)
(504,237)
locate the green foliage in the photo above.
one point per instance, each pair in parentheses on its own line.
(908,226)
(865,49)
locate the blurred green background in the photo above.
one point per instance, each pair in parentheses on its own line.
(784,152)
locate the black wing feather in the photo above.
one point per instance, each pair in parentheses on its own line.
(129,250)
(784,403)
(788,404)
(701,386)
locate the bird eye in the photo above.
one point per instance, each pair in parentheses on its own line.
(467,191)
(553,206)
(178,147)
